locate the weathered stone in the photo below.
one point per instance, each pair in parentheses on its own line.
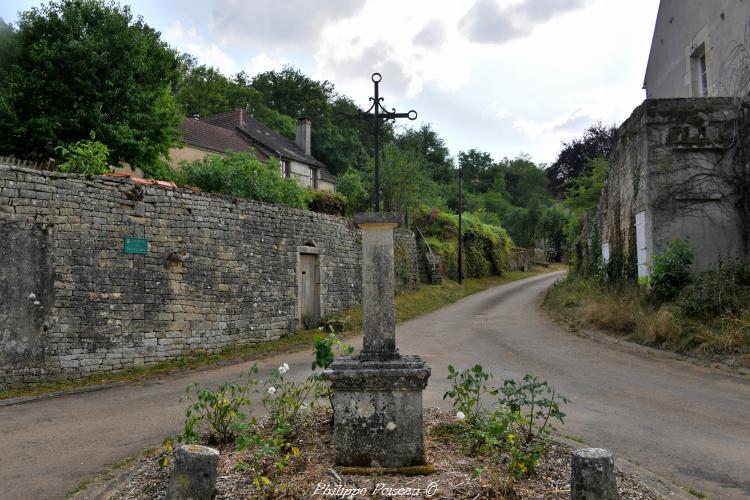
(219,271)
(194,473)
(592,475)
(378,412)
(378,395)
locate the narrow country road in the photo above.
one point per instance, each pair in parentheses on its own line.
(685,422)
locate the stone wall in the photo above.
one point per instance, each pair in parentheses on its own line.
(406,259)
(218,271)
(676,173)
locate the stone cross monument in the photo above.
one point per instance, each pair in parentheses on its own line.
(378,394)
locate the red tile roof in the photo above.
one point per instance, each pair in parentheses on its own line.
(207,136)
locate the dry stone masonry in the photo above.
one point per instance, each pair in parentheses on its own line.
(217,272)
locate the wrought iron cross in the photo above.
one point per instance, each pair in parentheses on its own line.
(379,114)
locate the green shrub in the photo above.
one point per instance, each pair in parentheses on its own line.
(670,271)
(244,176)
(283,399)
(326,202)
(516,426)
(213,416)
(84,157)
(716,293)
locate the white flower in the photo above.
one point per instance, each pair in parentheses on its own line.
(272,390)
(460,415)
(283,368)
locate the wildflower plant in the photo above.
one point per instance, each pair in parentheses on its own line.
(514,429)
(217,414)
(284,399)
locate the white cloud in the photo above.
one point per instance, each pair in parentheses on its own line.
(294,24)
(489,22)
(190,41)
(264,62)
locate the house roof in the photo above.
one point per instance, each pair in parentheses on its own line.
(267,138)
(214,138)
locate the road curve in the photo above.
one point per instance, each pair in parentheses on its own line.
(682,421)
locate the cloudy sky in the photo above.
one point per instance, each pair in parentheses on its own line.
(503,76)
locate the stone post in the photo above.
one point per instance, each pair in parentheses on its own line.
(592,475)
(378,286)
(378,395)
(194,473)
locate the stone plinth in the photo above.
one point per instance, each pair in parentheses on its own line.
(377,398)
(378,411)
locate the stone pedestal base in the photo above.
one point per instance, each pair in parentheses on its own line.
(378,411)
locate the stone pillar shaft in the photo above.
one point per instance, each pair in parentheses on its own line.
(378,285)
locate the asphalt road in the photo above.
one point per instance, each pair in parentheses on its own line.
(688,423)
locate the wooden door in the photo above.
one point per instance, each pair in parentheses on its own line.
(309,290)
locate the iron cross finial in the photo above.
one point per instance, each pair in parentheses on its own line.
(377,113)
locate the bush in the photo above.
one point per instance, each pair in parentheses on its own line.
(326,202)
(84,157)
(516,426)
(716,293)
(215,416)
(670,271)
(244,176)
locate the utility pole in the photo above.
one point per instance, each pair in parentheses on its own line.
(460,231)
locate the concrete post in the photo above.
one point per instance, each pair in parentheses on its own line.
(377,399)
(593,475)
(194,473)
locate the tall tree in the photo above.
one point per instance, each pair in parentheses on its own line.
(426,142)
(477,167)
(598,141)
(89,65)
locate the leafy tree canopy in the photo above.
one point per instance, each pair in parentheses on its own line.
(583,194)
(598,141)
(88,65)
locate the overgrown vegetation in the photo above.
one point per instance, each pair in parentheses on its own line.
(486,247)
(244,176)
(513,430)
(707,315)
(222,416)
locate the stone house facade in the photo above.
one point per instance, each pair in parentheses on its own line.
(700,48)
(238,130)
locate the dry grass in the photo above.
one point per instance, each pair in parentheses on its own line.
(626,312)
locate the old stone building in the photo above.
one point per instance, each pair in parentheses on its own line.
(678,171)
(238,131)
(700,48)
(681,167)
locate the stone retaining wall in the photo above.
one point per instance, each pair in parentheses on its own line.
(217,272)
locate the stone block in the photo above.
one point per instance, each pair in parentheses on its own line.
(378,412)
(592,475)
(194,473)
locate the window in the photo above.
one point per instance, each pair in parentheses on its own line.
(284,167)
(699,70)
(703,77)
(313,178)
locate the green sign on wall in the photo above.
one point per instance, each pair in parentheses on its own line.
(136,245)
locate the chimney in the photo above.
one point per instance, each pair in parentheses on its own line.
(304,125)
